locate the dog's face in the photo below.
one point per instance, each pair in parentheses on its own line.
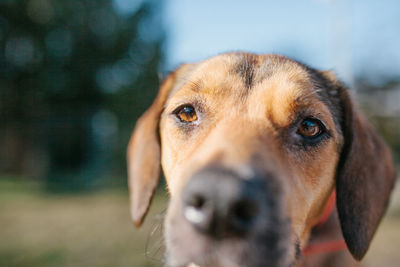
(252,146)
(261,122)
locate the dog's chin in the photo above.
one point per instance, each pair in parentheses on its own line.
(210,253)
(227,253)
(187,247)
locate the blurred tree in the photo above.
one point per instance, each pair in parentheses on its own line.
(74,76)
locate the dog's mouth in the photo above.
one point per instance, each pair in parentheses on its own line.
(221,254)
(188,248)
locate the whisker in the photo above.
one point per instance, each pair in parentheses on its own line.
(154,248)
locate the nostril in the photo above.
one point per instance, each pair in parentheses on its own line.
(195,210)
(197,201)
(243,212)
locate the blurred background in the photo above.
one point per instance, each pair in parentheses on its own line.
(75,76)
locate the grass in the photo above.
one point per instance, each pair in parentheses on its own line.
(41,229)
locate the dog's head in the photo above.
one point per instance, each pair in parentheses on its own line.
(252,147)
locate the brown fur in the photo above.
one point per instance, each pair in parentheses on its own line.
(248,105)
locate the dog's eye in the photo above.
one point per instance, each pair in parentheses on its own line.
(186,113)
(310,128)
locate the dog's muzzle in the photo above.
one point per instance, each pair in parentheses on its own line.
(226,219)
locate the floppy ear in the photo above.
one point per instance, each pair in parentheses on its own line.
(144,153)
(365,179)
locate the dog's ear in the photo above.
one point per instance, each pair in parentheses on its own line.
(143,153)
(365,177)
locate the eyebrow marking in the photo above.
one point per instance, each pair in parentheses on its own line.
(246,68)
(195,85)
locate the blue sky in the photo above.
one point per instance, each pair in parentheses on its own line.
(351,37)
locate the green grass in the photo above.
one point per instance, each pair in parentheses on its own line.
(94,229)
(39,229)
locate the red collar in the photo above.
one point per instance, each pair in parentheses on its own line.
(326,246)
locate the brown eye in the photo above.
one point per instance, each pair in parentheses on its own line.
(310,128)
(186,114)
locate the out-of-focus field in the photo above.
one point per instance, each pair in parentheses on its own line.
(39,229)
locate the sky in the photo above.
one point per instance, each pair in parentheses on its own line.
(353,38)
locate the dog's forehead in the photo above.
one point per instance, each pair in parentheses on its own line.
(239,74)
(251,68)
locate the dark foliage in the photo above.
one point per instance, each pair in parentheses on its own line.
(74,77)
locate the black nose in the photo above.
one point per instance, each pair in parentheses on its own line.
(219,203)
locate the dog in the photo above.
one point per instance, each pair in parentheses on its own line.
(257,151)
